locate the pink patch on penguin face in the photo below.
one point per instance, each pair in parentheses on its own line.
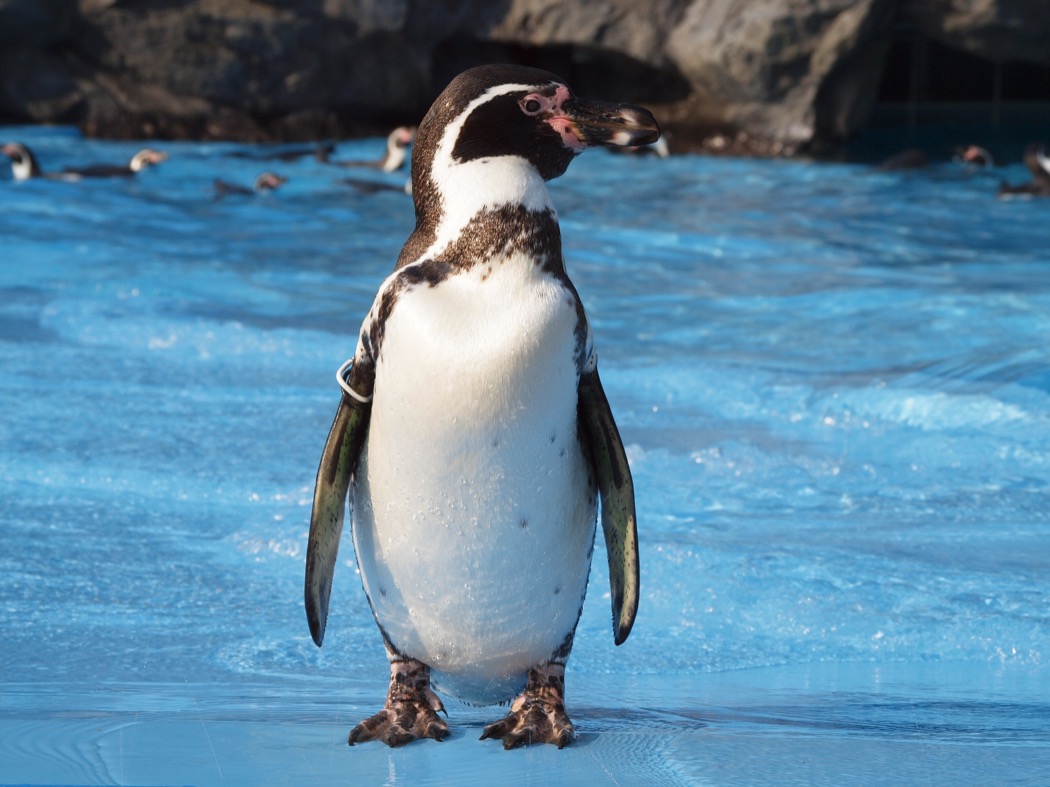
(550,109)
(569,135)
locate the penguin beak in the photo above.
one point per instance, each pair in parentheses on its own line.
(620,125)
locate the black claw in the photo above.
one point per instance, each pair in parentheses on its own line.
(396,738)
(436,730)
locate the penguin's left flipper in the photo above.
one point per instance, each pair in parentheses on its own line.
(338,463)
(616,492)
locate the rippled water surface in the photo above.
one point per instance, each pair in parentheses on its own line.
(834,386)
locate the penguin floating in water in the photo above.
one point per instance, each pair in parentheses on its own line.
(319,152)
(145,158)
(263,184)
(24,165)
(1039,165)
(473,431)
(394,157)
(23,161)
(974,156)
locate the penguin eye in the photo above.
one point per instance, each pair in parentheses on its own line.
(531,106)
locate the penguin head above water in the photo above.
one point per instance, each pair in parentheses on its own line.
(23,163)
(397,144)
(1036,160)
(269,181)
(492,138)
(146,157)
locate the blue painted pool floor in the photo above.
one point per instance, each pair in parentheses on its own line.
(832,384)
(807,724)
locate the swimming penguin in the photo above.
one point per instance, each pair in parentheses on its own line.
(319,151)
(375,187)
(909,158)
(974,156)
(397,144)
(146,157)
(1038,164)
(23,163)
(473,428)
(266,182)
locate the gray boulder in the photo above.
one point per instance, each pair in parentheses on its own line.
(996,30)
(768,76)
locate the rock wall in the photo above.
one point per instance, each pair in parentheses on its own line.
(772,75)
(997,30)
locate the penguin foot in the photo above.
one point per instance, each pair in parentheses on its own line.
(410,712)
(538,715)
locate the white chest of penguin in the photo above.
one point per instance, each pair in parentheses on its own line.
(474,511)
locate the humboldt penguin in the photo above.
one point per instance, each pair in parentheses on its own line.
(394,157)
(473,432)
(24,165)
(23,162)
(145,158)
(264,183)
(1038,164)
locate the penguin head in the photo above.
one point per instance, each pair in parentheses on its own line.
(401,137)
(23,162)
(492,138)
(1036,160)
(269,181)
(975,156)
(516,113)
(145,158)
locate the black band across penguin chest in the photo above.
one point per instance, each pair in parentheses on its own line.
(508,234)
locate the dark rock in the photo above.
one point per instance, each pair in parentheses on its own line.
(759,76)
(998,30)
(782,71)
(35,23)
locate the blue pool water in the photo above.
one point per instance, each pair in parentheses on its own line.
(834,386)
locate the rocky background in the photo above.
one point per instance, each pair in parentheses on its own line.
(770,76)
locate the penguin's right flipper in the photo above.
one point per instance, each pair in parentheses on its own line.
(338,464)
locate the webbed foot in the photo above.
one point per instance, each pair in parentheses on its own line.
(410,712)
(538,715)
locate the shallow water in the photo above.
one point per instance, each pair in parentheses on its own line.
(833,384)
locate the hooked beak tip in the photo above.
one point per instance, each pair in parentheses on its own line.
(644,135)
(620,125)
(640,128)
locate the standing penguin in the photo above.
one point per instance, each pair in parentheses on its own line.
(473,426)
